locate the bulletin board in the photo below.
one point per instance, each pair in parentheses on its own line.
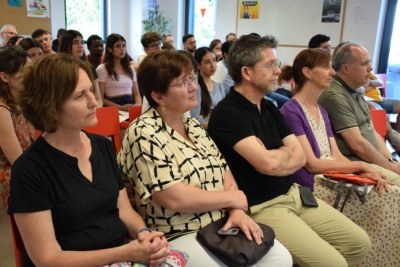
(292,22)
(18,16)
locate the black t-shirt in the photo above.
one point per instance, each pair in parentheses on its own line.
(235,118)
(84,213)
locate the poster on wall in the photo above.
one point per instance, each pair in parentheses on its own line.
(249,9)
(15,3)
(38,8)
(331,10)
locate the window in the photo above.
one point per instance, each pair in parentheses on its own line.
(204,14)
(86,16)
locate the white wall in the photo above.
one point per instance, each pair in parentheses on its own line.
(57,16)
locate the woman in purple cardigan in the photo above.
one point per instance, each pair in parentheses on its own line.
(380,215)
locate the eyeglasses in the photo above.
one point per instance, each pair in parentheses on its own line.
(159,44)
(11,33)
(270,65)
(192,43)
(186,83)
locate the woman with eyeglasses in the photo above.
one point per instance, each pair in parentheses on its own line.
(117,78)
(182,182)
(16,133)
(72,43)
(209,92)
(380,216)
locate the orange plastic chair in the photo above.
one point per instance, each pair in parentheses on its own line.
(382,77)
(134,112)
(17,240)
(378,117)
(108,125)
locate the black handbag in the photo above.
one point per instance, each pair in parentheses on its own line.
(235,251)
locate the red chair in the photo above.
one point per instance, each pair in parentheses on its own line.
(382,77)
(17,240)
(134,112)
(378,117)
(108,125)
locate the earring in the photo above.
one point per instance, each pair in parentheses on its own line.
(163,109)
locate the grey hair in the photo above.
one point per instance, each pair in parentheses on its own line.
(343,55)
(246,51)
(7,25)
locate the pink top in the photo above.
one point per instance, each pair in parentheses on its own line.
(112,87)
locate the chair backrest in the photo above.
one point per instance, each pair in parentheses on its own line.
(16,239)
(378,117)
(382,77)
(134,112)
(108,125)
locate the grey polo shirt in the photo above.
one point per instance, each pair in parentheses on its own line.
(347,109)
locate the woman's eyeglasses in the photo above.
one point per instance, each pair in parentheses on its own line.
(186,83)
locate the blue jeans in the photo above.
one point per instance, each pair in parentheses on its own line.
(280,99)
(122,100)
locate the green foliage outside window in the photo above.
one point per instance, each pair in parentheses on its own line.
(157,22)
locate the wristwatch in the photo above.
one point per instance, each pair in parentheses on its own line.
(145,229)
(393,160)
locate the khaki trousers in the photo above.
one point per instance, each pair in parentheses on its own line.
(390,176)
(316,237)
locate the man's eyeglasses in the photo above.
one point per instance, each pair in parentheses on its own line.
(192,43)
(11,33)
(270,65)
(159,44)
(186,83)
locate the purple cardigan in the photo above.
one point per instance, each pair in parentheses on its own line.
(297,121)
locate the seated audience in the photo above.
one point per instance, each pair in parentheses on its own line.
(151,41)
(349,114)
(209,93)
(68,197)
(71,42)
(6,32)
(96,48)
(16,133)
(263,152)
(320,41)
(189,43)
(312,71)
(117,78)
(166,155)
(33,47)
(44,38)
(222,65)
(230,37)
(56,42)
(216,46)
(14,41)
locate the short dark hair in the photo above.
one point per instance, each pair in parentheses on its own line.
(246,51)
(158,69)
(60,32)
(317,40)
(229,34)
(150,37)
(46,85)
(225,47)
(39,32)
(13,40)
(186,36)
(28,43)
(91,39)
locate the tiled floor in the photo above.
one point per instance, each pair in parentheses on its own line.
(6,247)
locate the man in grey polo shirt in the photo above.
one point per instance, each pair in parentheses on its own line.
(349,113)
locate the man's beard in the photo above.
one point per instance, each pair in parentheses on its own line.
(266,88)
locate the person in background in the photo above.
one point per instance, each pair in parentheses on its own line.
(14,41)
(222,65)
(230,37)
(189,43)
(151,41)
(167,157)
(169,39)
(16,133)
(71,42)
(321,41)
(216,46)
(56,42)
(117,78)
(167,45)
(95,46)
(262,152)
(209,92)
(44,38)
(312,71)
(33,47)
(68,197)
(6,32)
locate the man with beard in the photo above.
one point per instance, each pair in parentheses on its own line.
(262,152)
(96,48)
(44,38)
(189,43)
